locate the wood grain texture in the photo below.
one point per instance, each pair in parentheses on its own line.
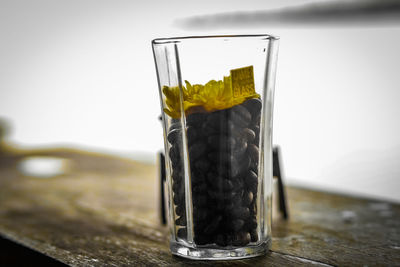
(103,212)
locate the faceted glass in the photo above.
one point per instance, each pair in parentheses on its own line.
(216,95)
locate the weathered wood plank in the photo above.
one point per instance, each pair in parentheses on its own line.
(103,212)
(339,230)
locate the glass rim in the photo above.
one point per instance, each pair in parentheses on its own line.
(170,40)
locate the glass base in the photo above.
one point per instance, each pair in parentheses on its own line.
(218,253)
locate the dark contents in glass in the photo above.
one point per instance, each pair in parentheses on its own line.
(224,152)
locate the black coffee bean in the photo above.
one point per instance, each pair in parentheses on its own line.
(177,176)
(221,241)
(244,134)
(207,129)
(222,170)
(213,156)
(257,140)
(212,177)
(200,214)
(251,181)
(218,158)
(254,168)
(254,235)
(253,153)
(220,206)
(256,130)
(200,189)
(249,135)
(175,124)
(248,198)
(220,129)
(175,153)
(216,183)
(256,120)
(236,201)
(226,128)
(213,225)
(182,233)
(240,148)
(200,200)
(233,196)
(239,167)
(173,136)
(198,178)
(180,210)
(221,185)
(241,213)
(214,140)
(178,188)
(229,196)
(221,142)
(213,195)
(253,206)
(195,119)
(216,195)
(253,105)
(217,119)
(229,205)
(202,239)
(179,199)
(252,223)
(196,151)
(176,165)
(227,185)
(240,116)
(237,224)
(202,165)
(237,183)
(230,127)
(181,221)
(241,239)
(192,135)
(229,239)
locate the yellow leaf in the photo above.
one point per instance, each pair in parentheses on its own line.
(214,95)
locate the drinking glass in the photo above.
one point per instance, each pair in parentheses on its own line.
(216,96)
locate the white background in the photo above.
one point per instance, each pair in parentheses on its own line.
(81,74)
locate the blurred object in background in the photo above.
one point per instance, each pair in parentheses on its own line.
(4,131)
(319,13)
(5,160)
(279,201)
(43,167)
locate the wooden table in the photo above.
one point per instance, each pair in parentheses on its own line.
(103,212)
